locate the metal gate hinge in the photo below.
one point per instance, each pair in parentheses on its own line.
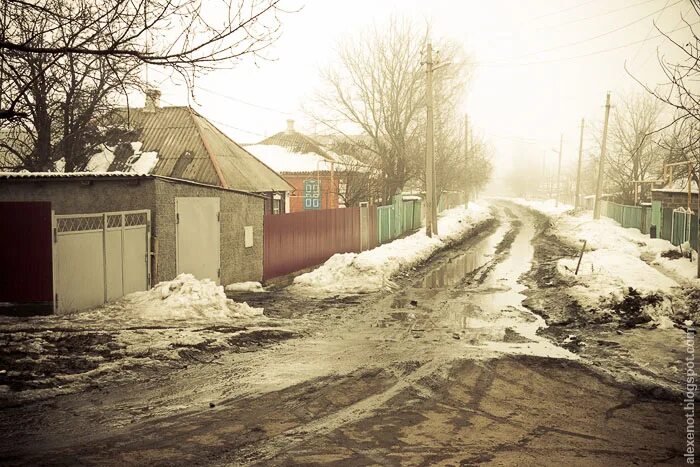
(218,216)
(177,217)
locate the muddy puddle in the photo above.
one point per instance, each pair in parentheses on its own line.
(456,269)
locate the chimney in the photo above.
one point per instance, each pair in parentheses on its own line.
(152,100)
(290,127)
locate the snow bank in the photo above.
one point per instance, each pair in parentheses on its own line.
(245,287)
(371,271)
(615,260)
(605,276)
(186,298)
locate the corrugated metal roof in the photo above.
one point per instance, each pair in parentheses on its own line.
(174,132)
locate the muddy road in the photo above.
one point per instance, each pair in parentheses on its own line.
(451,368)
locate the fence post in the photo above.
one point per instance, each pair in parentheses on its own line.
(364,226)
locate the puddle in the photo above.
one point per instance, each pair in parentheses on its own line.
(457,268)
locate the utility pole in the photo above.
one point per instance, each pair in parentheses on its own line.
(466,160)
(601,164)
(577,202)
(561,144)
(431,214)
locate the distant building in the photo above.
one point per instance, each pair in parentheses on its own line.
(305,164)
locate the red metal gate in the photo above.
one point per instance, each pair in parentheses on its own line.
(299,240)
(25,252)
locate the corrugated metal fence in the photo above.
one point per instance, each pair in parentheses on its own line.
(676,226)
(295,241)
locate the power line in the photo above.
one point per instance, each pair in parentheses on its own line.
(235,99)
(577,20)
(601,35)
(636,52)
(564,10)
(221,123)
(240,101)
(597,52)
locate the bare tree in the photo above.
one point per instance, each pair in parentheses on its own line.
(65,98)
(634,153)
(187,35)
(66,64)
(378,86)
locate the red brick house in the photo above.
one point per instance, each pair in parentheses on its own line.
(304,164)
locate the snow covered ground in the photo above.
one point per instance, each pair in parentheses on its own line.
(615,260)
(371,271)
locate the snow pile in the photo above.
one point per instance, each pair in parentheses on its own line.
(548,207)
(101,161)
(281,159)
(245,287)
(371,271)
(605,276)
(617,259)
(140,162)
(186,297)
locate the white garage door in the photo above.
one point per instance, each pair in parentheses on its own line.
(100,257)
(198,237)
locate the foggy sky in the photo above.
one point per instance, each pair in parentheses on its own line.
(541,65)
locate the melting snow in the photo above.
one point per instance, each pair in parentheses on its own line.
(245,287)
(615,259)
(371,271)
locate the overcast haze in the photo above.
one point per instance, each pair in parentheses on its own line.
(540,66)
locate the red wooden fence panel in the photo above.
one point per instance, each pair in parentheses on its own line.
(25,252)
(299,240)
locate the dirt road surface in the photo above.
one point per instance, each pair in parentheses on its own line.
(449,369)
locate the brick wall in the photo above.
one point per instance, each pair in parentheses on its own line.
(674,199)
(329,196)
(76,196)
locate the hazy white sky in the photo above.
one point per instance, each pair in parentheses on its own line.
(541,65)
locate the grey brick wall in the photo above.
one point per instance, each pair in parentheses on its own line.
(238,210)
(674,199)
(79,197)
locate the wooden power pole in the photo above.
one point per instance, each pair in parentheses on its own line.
(466,160)
(601,164)
(561,146)
(431,209)
(577,202)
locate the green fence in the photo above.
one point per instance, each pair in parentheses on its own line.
(676,226)
(636,217)
(398,218)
